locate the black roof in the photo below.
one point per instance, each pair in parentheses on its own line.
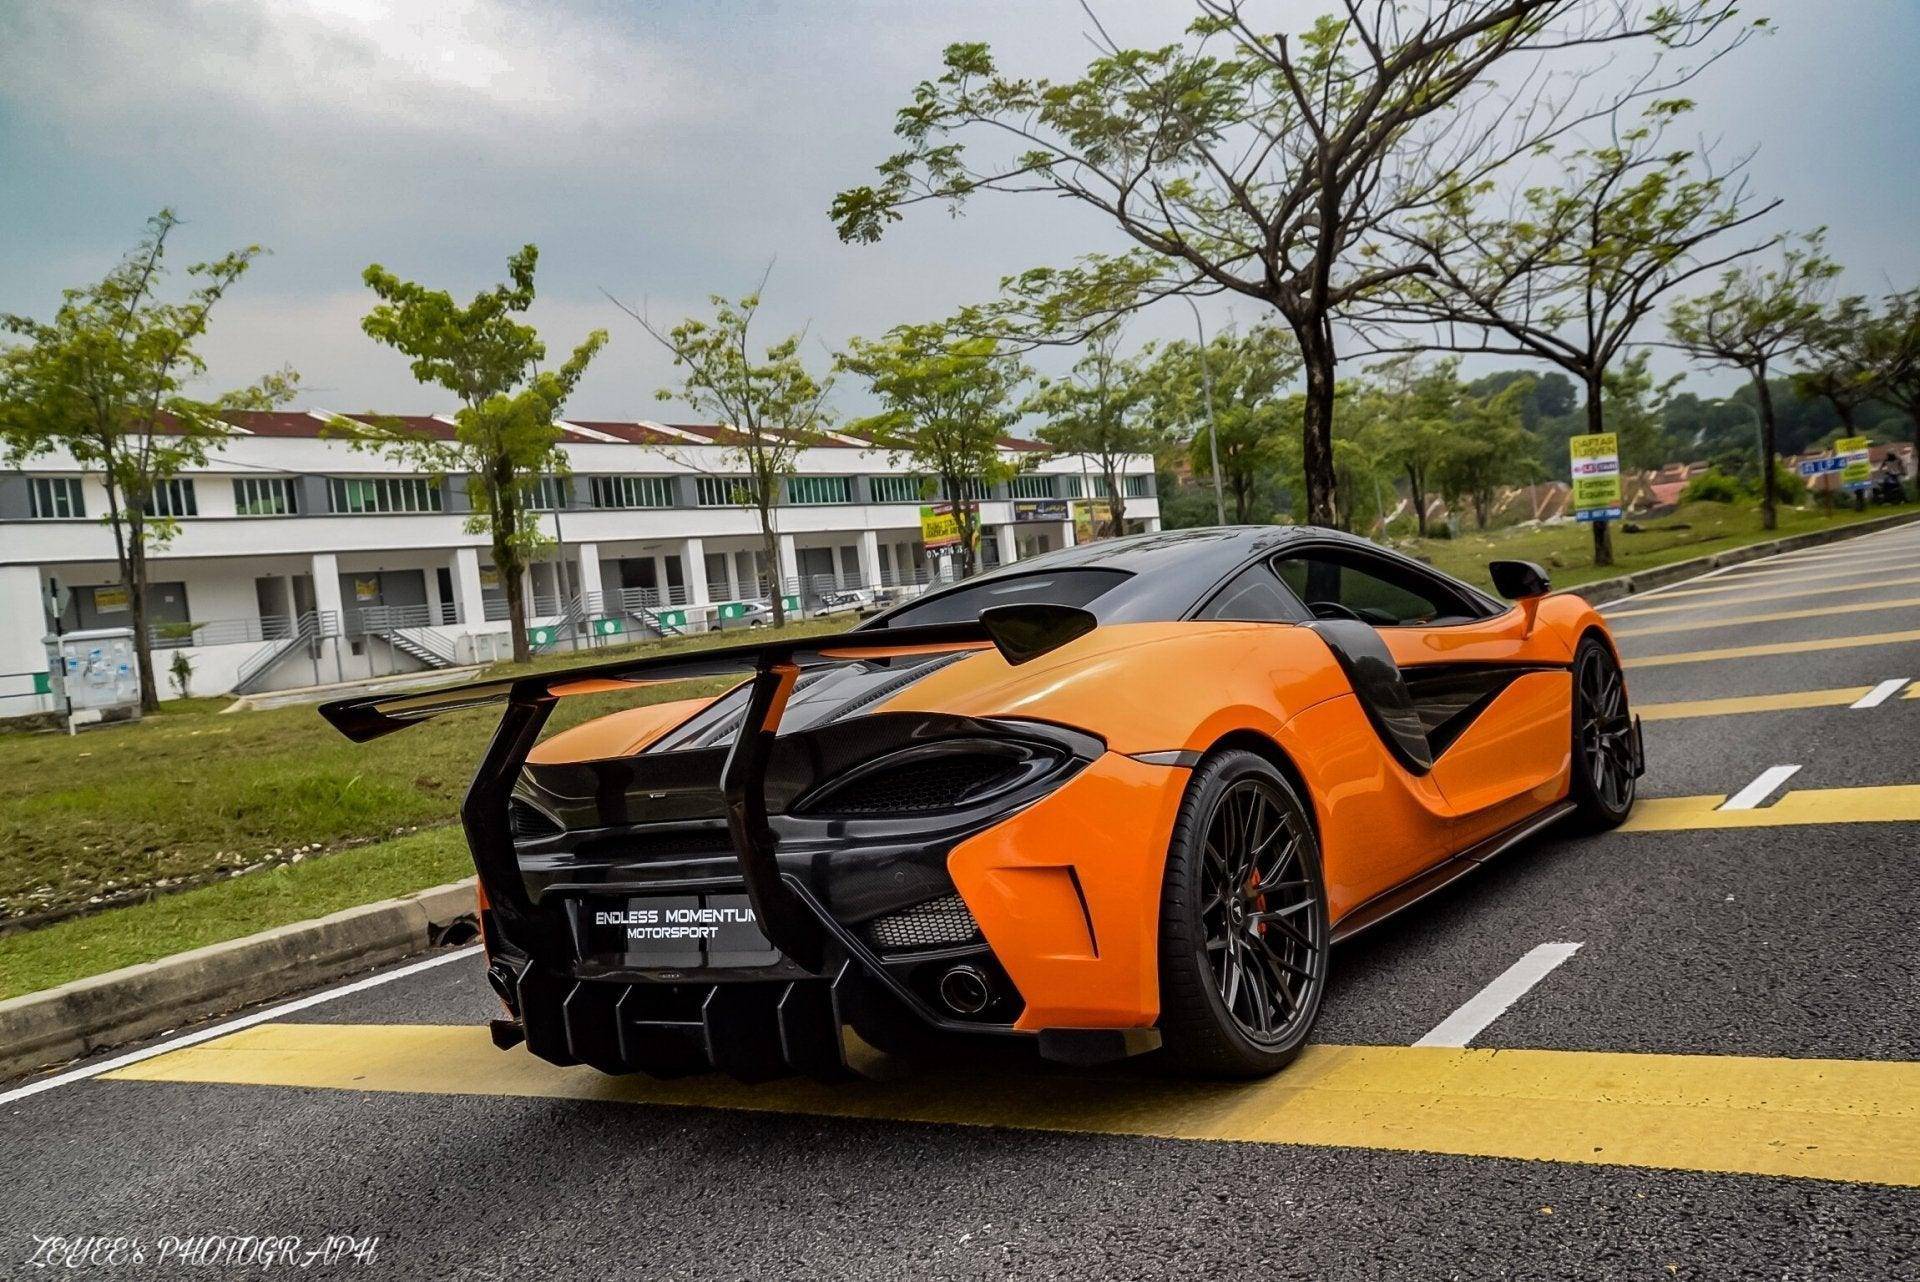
(1172,571)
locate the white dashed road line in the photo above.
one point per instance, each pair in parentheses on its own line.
(1881,693)
(1750,797)
(1492,1001)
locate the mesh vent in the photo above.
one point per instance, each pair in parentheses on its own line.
(525,821)
(931,783)
(928,925)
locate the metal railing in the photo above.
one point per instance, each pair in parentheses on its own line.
(307,632)
(409,628)
(174,636)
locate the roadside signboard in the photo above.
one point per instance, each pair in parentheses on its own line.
(1092,519)
(1041,510)
(1595,460)
(1820,466)
(1856,468)
(938,526)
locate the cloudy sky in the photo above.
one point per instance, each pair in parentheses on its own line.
(664,151)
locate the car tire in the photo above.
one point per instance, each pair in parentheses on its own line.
(1604,784)
(1259,910)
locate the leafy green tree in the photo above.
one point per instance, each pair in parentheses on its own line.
(1840,368)
(505,437)
(950,400)
(1569,271)
(1102,411)
(1255,162)
(1247,372)
(1487,447)
(1412,408)
(1893,345)
(771,405)
(1755,319)
(105,382)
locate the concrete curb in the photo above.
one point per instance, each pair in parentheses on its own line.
(40,1029)
(1605,590)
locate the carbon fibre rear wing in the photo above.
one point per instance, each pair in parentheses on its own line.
(1019,632)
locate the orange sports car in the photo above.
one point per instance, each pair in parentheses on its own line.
(1119,798)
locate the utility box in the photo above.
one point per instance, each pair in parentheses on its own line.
(94,673)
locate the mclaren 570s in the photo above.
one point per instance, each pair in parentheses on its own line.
(1119,798)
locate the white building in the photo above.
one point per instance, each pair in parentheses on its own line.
(301,560)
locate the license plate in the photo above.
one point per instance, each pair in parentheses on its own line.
(673,932)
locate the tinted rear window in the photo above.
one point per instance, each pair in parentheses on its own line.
(1062,587)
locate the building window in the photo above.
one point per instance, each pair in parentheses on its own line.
(1139,487)
(632,491)
(57,498)
(174,498)
(723,491)
(382,494)
(546,494)
(807,490)
(895,489)
(1030,487)
(1070,487)
(265,496)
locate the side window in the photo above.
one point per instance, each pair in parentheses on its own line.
(1341,585)
(1253,596)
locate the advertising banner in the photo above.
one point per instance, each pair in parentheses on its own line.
(1092,519)
(938,527)
(1856,469)
(1595,461)
(1041,510)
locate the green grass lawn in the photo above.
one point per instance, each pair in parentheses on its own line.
(1697,529)
(31,960)
(192,792)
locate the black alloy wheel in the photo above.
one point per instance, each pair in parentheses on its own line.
(1604,766)
(1244,922)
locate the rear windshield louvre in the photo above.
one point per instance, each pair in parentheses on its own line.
(1077,587)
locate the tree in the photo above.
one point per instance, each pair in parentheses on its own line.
(949,401)
(1754,319)
(1840,366)
(1893,346)
(1247,371)
(505,438)
(1099,411)
(770,406)
(105,381)
(1257,163)
(1487,447)
(1568,270)
(1412,408)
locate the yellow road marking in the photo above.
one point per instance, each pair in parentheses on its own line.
(1763,596)
(1776,647)
(1892,803)
(1775,616)
(1821,1119)
(1755,703)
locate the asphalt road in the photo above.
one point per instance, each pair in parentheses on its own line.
(1720,1081)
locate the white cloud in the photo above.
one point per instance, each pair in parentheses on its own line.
(471,69)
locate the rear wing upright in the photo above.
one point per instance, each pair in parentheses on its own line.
(1019,632)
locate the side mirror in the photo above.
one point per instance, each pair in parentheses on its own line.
(1519,580)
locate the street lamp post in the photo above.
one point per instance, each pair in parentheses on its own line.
(1213,433)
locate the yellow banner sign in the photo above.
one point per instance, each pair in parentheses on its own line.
(938,526)
(1857,470)
(1595,465)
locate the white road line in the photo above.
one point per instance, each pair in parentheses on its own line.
(1760,789)
(231,1026)
(1881,693)
(1492,1001)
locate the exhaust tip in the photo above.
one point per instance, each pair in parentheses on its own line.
(964,990)
(505,985)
